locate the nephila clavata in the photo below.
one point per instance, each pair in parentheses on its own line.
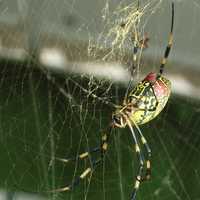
(140,105)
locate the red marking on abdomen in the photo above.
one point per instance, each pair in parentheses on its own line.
(160,89)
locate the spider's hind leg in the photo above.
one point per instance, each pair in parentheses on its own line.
(141,159)
(94,163)
(81,156)
(77,180)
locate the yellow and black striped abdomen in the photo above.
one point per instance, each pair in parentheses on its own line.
(149,99)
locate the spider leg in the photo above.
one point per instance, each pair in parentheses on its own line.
(168,48)
(77,180)
(140,155)
(81,156)
(136,41)
(148,159)
(135,51)
(93,163)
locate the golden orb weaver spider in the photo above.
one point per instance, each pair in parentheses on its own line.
(142,104)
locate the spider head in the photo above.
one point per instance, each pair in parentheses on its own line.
(118,120)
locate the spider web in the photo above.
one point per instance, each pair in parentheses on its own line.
(48,114)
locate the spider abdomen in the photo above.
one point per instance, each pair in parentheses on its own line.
(150,97)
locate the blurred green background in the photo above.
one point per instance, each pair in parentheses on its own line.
(53,56)
(38,122)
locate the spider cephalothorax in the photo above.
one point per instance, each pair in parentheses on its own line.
(121,114)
